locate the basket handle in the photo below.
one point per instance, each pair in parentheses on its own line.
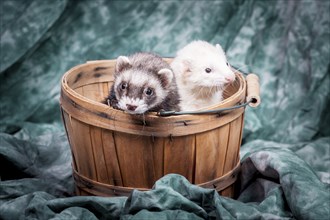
(252,99)
(253,90)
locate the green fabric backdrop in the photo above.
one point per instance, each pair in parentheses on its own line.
(285,152)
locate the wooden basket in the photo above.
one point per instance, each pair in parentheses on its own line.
(114,152)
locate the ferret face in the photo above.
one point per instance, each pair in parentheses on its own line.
(205,65)
(209,72)
(137,92)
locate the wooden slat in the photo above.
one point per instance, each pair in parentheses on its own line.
(79,90)
(135,158)
(105,90)
(84,150)
(68,126)
(211,149)
(94,91)
(111,159)
(109,85)
(158,156)
(97,145)
(207,156)
(148,161)
(241,136)
(179,156)
(233,144)
(224,133)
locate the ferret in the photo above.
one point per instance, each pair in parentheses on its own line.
(143,82)
(202,73)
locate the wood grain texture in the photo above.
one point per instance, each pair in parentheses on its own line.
(241,136)
(86,74)
(253,90)
(211,151)
(179,156)
(135,156)
(69,131)
(94,91)
(158,156)
(224,134)
(207,156)
(98,153)
(111,158)
(234,140)
(84,148)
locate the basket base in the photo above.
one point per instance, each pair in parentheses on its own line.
(224,185)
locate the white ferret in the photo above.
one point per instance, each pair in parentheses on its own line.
(202,73)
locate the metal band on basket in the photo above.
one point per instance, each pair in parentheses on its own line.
(215,111)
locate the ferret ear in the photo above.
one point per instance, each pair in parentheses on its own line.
(186,64)
(166,76)
(122,63)
(219,48)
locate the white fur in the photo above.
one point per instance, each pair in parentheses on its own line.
(198,89)
(141,105)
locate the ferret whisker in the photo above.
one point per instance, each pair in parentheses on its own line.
(144,121)
(210,90)
(226,93)
(199,92)
(241,67)
(204,91)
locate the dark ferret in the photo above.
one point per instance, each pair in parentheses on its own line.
(143,82)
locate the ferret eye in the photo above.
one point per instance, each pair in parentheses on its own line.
(148,91)
(123,86)
(208,70)
(227,64)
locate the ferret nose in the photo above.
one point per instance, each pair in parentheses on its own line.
(131,107)
(230,79)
